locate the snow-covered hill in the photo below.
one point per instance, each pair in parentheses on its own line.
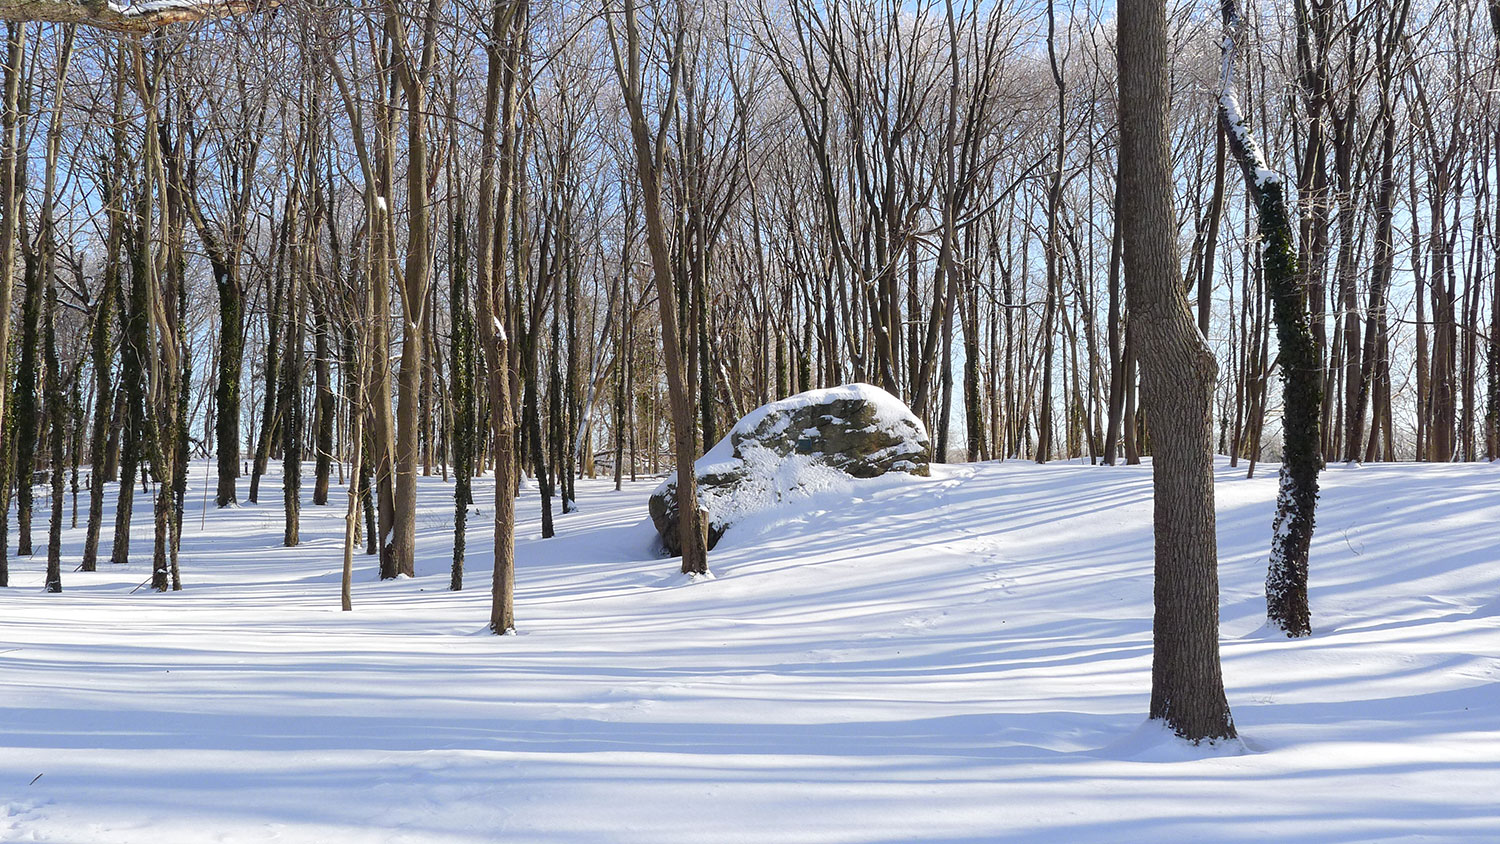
(960,658)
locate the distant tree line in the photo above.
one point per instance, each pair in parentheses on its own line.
(385,240)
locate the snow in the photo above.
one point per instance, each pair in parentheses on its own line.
(958,658)
(1229,102)
(772,479)
(155,7)
(890,412)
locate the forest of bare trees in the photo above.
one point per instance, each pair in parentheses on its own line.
(547,241)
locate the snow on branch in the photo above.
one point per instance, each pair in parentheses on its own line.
(1237,129)
(136,18)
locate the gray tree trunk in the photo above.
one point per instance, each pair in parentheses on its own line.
(1177,382)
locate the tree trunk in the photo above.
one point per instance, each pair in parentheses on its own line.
(648,148)
(1177,384)
(56,418)
(28,409)
(1286,581)
(10,219)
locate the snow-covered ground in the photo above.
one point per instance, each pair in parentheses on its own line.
(960,658)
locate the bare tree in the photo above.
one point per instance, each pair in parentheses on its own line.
(670,33)
(1301,376)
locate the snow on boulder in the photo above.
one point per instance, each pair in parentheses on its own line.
(803,443)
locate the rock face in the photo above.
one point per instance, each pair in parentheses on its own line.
(804,441)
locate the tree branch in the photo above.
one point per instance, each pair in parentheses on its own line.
(136,18)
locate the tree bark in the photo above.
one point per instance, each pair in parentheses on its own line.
(136,18)
(1177,383)
(1301,373)
(649,148)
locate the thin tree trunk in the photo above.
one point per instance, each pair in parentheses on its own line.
(1286,581)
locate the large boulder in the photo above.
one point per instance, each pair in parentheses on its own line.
(806,440)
